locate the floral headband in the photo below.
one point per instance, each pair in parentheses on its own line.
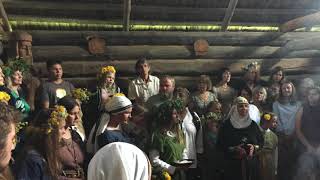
(252,65)
(15,65)
(57,114)
(4,96)
(108,69)
(82,94)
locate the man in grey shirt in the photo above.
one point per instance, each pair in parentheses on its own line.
(55,87)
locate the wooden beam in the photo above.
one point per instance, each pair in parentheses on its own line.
(229,13)
(4,18)
(105,11)
(305,21)
(77,38)
(126,14)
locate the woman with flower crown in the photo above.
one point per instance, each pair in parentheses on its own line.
(39,159)
(168,142)
(106,87)
(14,71)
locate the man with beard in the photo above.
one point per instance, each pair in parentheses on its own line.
(167,85)
(55,88)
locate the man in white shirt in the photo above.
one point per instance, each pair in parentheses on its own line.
(145,85)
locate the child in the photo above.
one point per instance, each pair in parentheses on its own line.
(211,124)
(268,155)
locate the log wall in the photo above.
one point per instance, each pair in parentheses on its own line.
(172,53)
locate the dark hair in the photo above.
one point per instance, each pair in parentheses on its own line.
(220,73)
(52,63)
(68,102)
(263,119)
(275,71)
(142,60)
(45,142)
(246,88)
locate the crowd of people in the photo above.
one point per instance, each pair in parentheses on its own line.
(245,128)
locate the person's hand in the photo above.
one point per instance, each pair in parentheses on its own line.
(240,152)
(251,149)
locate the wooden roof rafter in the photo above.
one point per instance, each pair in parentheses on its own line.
(300,22)
(228,15)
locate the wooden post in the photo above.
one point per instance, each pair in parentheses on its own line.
(309,20)
(228,15)
(126,15)
(4,17)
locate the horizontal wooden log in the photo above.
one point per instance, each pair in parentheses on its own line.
(70,53)
(300,22)
(166,13)
(192,67)
(169,38)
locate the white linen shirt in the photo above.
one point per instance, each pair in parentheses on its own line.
(138,89)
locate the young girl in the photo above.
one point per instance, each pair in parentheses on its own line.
(268,156)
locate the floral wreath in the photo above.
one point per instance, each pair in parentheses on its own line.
(4,96)
(14,65)
(267,116)
(108,69)
(57,114)
(253,65)
(82,94)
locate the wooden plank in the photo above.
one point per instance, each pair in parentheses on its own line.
(190,67)
(4,17)
(105,11)
(70,53)
(169,38)
(300,22)
(229,13)
(126,14)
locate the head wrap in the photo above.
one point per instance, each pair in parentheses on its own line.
(121,161)
(118,103)
(236,120)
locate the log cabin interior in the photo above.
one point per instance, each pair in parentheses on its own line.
(183,38)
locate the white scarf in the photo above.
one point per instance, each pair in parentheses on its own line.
(237,121)
(119,161)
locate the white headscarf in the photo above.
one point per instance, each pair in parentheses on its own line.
(116,105)
(236,120)
(119,161)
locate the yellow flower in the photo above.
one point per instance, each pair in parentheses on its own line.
(119,94)
(4,96)
(81,94)
(267,117)
(107,69)
(166,175)
(59,113)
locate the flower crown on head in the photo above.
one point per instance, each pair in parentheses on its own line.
(56,115)
(82,94)
(118,94)
(15,65)
(267,117)
(4,96)
(108,69)
(253,65)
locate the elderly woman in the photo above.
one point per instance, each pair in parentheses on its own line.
(239,138)
(201,98)
(286,108)
(108,128)
(8,139)
(14,77)
(128,163)
(40,160)
(167,142)
(225,93)
(260,99)
(307,130)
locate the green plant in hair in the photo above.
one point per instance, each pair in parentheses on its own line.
(16,64)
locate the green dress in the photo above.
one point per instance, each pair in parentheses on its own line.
(268,156)
(170,150)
